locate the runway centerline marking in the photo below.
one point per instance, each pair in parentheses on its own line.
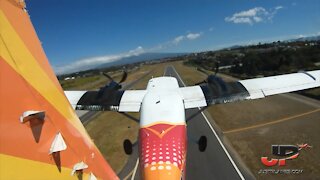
(271,123)
(214,132)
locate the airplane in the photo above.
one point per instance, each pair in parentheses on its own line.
(162,134)
(42,138)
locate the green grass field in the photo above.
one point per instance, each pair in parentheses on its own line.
(80,83)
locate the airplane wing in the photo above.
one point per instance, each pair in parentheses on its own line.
(216,91)
(41,137)
(106,100)
(192,97)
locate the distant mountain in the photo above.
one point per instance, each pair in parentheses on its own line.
(301,39)
(140,58)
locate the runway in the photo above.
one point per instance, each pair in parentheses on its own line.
(215,163)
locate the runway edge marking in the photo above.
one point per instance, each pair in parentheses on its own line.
(135,169)
(214,132)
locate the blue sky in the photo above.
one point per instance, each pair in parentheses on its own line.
(80,34)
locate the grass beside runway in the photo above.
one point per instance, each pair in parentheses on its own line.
(108,131)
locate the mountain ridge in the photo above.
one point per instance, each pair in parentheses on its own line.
(140,58)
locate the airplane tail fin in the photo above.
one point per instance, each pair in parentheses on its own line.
(41,136)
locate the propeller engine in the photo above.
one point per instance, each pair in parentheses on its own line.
(219,91)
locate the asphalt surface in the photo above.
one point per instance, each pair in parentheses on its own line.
(214,163)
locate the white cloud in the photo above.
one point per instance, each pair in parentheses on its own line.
(242,20)
(178,39)
(254,15)
(251,12)
(257,19)
(91,62)
(192,36)
(274,11)
(305,35)
(278,7)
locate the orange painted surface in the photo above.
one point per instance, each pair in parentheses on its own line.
(30,142)
(162,171)
(22,136)
(20,20)
(17,55)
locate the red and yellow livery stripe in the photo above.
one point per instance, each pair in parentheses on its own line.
(163,151)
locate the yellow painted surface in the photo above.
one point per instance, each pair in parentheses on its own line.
(17,168)
(162,122)
(17,55)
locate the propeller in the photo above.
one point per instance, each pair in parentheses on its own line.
(107,75)
(123,78)
(217,64)
(215,84)
(113,86)
(213,77)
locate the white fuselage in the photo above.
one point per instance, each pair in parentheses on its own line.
(162,134)
(162,102)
